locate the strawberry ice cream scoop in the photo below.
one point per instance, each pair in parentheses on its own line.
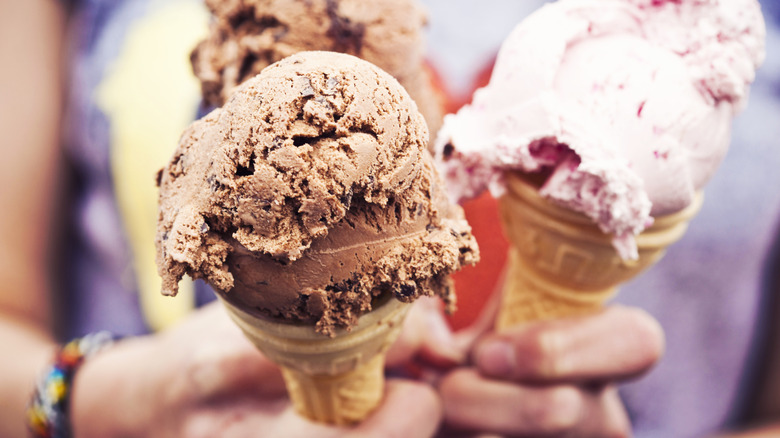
(624,106)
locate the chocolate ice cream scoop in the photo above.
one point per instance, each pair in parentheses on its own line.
(248,35)
(310,193)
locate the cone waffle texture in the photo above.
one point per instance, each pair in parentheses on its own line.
(336,380)
(561,264)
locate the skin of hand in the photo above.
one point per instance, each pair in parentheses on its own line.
(766,431)
(203,378)
(426,338)
(552,378)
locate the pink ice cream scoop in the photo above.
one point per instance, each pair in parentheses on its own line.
(624,105)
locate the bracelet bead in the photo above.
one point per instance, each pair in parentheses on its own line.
(47,413)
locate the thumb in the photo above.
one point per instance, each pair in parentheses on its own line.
(439,346)
(409,410)
(428,335)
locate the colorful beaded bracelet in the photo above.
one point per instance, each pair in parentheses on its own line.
(47,413)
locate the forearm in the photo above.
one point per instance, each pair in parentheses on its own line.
(31,34)
(28,349)
(30,106)
(767,431)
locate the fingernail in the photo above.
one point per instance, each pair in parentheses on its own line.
(496,358)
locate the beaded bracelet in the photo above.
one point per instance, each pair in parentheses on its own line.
(47,413)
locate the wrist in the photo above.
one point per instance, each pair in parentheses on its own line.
(48,414)
(107,398)
(30,350)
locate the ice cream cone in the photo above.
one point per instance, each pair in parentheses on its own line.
(337,380)
(560,263)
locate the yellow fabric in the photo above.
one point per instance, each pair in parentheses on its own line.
(150,96)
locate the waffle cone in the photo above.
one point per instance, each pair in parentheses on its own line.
(336,380)
(561,264)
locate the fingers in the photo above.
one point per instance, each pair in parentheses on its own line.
(428,335)
(616,344)
(208,357)
(466,337)
(409,410)
(473,402)
(231,369)
(408,342)
(233,419)
(537,379)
